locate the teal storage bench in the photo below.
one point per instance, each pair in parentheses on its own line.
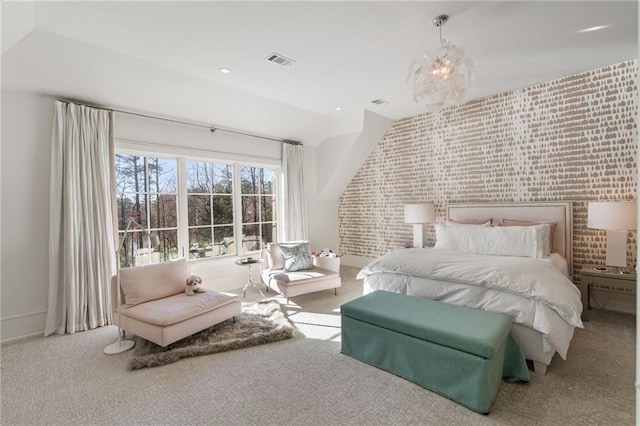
(460,353)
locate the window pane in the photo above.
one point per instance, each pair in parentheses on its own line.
(134,241)
(222,178)
(124,205)
(162,174)
(199,210)
(268,208)
(268,182)
(130,173)
(199,177)
(163,211)
(250,238)
(222,209)
(131,206)
(223,240)
(269,233)
(200,243)
(250,178)
(249,209)
(168,247)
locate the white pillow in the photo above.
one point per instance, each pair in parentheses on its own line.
(275,259)
(524,241)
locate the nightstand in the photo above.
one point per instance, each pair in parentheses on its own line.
(611,281)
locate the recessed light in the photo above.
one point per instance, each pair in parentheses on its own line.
(225,70)
(338,108)
(596,28)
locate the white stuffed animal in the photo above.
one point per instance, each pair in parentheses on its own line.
(193,285)
(326,253)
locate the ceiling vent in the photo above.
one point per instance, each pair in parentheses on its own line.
(277,58)
(379,102)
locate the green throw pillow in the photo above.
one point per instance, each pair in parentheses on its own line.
(296,256)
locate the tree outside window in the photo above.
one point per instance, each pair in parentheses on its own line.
(196,213)
(146,191)
(210,209)
(258,187)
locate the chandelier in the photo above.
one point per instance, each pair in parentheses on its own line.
(441,78)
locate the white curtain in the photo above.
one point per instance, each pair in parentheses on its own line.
(81,233)
(295,207)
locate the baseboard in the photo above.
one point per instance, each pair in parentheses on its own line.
(16,339)
(21,326)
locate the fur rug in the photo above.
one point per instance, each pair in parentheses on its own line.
(261,322)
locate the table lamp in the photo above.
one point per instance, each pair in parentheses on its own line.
(616,217)
(417,214)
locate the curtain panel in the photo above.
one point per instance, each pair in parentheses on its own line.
(81,223)
(295,206)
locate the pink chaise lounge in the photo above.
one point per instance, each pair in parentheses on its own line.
(155,307)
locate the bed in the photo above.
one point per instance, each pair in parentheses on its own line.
(536,292)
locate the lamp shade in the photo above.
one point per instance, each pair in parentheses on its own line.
(419,213)
(620,215)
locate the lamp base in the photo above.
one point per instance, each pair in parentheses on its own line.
(417,235)
(118,347)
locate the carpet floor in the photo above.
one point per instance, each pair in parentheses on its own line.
(303,381)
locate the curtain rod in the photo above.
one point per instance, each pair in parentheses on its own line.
(175,120)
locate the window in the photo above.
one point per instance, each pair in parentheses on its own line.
(258,207)
(210,209)
(193,208)
(146,191)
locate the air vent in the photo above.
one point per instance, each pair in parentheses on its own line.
(277,58)
(379,102)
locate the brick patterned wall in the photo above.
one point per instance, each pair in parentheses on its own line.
(572,139)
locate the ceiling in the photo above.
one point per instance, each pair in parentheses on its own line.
(164,57)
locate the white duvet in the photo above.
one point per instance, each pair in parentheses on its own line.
(533,292)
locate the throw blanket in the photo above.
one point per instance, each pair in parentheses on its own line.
(530,278)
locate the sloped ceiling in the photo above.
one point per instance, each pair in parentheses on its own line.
(164,57)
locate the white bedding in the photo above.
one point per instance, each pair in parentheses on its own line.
(533,292)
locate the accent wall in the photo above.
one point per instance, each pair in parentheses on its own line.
(573,139)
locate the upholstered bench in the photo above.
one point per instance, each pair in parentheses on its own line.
(460,353)
(156,308)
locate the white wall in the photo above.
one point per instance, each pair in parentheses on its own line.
(18,20)
(153,134)
(329,168)
(26,138)
(339,158)
(322,213)
(25,164)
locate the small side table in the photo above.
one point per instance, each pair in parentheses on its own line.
(611,281)
(250,262)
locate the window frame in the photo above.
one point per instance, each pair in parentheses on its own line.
(212,225)
(145,224)
(182,195)
(259,197)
